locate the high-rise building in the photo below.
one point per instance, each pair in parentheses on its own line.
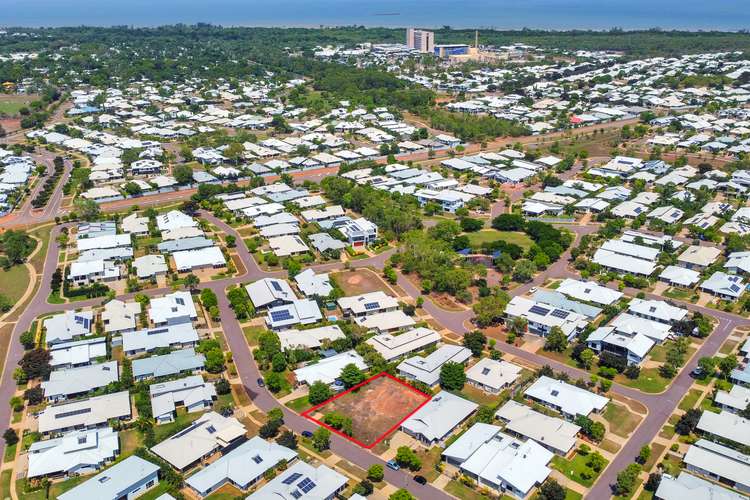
(423,41)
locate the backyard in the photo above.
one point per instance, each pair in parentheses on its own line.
(489,235)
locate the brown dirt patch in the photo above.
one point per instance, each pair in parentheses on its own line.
(361,281)
(374,408)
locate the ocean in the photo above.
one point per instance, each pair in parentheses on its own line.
(500,14)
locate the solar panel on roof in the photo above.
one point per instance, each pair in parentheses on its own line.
(292,478)
(276,286)
(539,310)
(306,485)
(734,288)
(559,313)
(281,315)
(372,305)
(296,494)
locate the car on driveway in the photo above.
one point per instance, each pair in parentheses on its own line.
(391,464)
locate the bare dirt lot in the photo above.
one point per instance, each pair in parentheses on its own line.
(360,281)
(374,408)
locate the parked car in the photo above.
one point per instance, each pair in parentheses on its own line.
(420,479)
(261,383)
(391,464)
(307,434)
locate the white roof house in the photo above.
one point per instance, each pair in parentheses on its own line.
(629,324)
(698,257)
(725,425)
(492,375)
(386,321)
(738,262)
(127,479)
(187,260)
(311,338)
(680,276)
(657,310)
(312,284)
(79,380)
(566,398)
(427,369)
(719,462)
(624,263)
(302,481)
(77,352)
(268,292)
(177,335)
(242,467)
(498,461)
(211,432)
(689,487)
(78,452)
(147,266)
(634,345)
(434,421)
(543,317)
(589,291)
(555,434)
(192,392)
(287,245)
(297,312)
(394,346)
(119,316)
(174,219)
(176,307)
(327,370)
(84,414)
(176,362)
(367,303)
(723,285)
(734,401)
(67,326)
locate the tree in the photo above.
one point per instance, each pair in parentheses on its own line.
(524,271)
(556,340)
(222,386)
(470,225)
(27,339)
(278,362)
(35,363)
(517,325)
(183,174)
(321,439)
(275,415)
(509,222)
(652,484)
(490,309)
(34,395)
(192,281)
(10,436)
(688,422)
(406,457)
(214,361)
(269,429)
(274,381)
(586,358)
(644,454)
(364,488)
(707,364)
(727,364)
(551,490)
(208,298)
(475,342)
(351,375)
(596,461)
(288,439)
(626,479)
(375,473)
(401,494)
(746,412)
(319,392)
(452,376)
(86,209)
(132,189)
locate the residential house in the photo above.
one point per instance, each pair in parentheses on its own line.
(698,257)
(67,326)
(128,479)
(427,369)
(173,336)
(724,286)
(719,463)
(297,312)
(119,317)
(191,392)
(313,285)
(555,434)
(492,376)
(78,381)
(688,487)
(78,452)
(568,399)
(176,307)
(367,304)
(726,427)
(270,292)
(432,423)
(181,361)
(328,370)
(542,318)
(392,346)
(311,338)
(84,414)
(303,481)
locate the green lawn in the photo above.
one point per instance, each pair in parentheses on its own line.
(460,490)
(621,420)
(521,239)
(13,282)
(671,464)
(648,381)
(679,294)
(690,399)
(10,453)
(162,432)
(252,333)
(572,495)
(573,468)
(130,440)
(632,492)
(11,108)
(299,405)
(656,451)
(5,478)
(156,491)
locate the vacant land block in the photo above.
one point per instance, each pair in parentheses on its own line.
(376,407)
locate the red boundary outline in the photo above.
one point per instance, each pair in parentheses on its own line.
(307,413)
